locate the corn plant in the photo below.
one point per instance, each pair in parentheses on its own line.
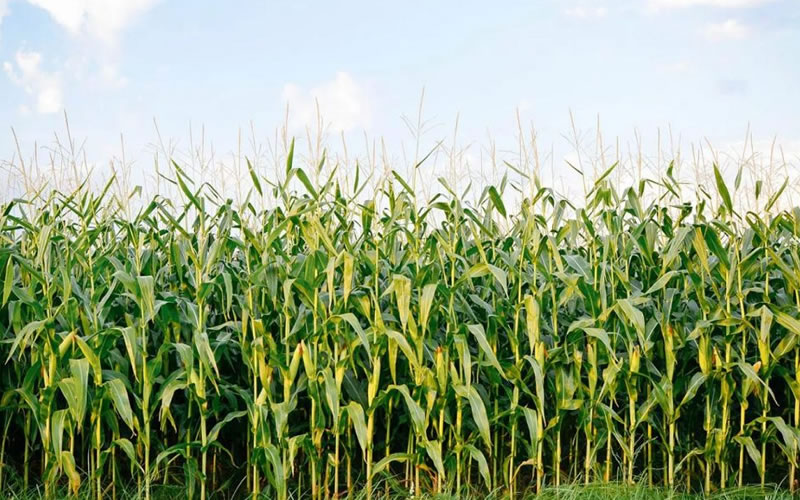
(338,339)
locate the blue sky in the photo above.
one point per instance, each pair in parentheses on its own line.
(705,68)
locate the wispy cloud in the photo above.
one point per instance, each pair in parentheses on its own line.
(101,19)
(343,104)
(581,12)
(96,71)
(730,29)
(26,71)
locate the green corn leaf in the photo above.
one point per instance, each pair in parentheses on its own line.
(697,381)
(425,303)
(483,465)
(131,345)
(351,319)
(752,451)
(789,436)
(347,276)
(277,477)
(479,415)
(205,352)
(539,378)
(58,422)
(532,321)
(415,411)
(290,157)
(531,417)
(25,336)
(92,359)
(356,414)
(776,195)
(661,282)
(402,291)
(497,200)
(723,189)
(127,447)
(119,397)
(254,177)
(632,314)
(479,334)
(332,395)
(434,450)
(186,191)
(788,342)
(75,394)
(8,280)
(68,464)
(409,353)
(301,174)
(213,435)
(384,463)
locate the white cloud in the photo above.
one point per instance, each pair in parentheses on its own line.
(725,4)
(727,30)
(110,76)
(343,104)
(96,63)
(586,12)
(27,73)
(102,19)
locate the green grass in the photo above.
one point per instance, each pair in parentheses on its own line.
(566,492)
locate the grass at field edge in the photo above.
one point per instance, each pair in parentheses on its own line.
(568,492)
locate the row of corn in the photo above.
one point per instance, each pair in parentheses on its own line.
(329,343)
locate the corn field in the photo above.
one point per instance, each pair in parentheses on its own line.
(379,343)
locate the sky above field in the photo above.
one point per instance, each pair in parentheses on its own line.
(705,68)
